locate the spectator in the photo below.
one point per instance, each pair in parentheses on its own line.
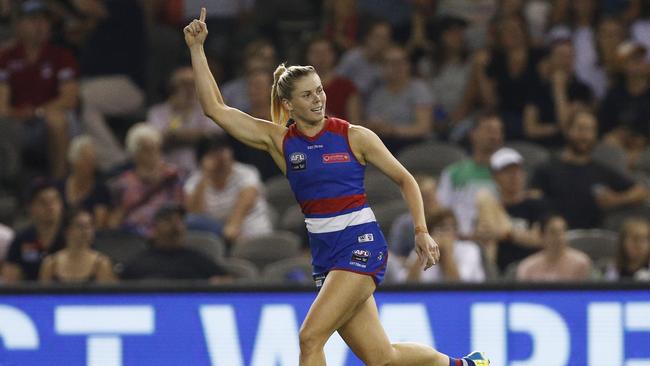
(341,23)
(625,110)
(596,60)
(112,66)
(460,260)
(181,120)
(593,187)
(633,259)
(39,88)
(477,13)
(402,231)
(461,181)
(557,261)
(362,64)
(512,221)
(450,68)
(6,237)
(225,196)
(343,100)
(42,237)
(401,110)
(139,192)
(550,104)
(167,257)
(260,55)
(77,262)
(83,189)
(502,78)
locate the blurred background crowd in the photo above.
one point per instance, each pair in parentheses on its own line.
(526,123)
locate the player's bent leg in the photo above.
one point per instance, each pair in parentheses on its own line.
(339,298)
(366,337)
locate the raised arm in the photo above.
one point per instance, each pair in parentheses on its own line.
(254,132)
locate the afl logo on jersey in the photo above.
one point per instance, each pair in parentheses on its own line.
(298,161)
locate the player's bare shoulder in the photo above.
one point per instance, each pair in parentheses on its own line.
(360,137)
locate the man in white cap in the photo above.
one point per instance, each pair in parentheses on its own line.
(514,218)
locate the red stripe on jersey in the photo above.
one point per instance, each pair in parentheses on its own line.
(332,205)
(459,362)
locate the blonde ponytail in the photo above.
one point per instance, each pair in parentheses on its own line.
(278,113)
(283,80)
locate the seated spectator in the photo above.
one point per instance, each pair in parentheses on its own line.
(579,188)
(550,104)
(77,262)
(450,68)
(633,259)
(39,89)
(502,77)
(596,59)
(259,55)
(42,237)
(167,257)
(401,110)
(82,188)
(625,110)
(460,260)
(6,237)
(557,261)
(225,196)
(402,231)
(343,100)
(362,64)
(341,23)
(461,181)
(112,58)
(181,120)
(139,192)
(511,222)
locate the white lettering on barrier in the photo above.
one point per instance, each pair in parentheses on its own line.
(604,334)
(277,337)
(637,319)
(17,330)
(549,333)
(489,334)
(104,325)
(221,336)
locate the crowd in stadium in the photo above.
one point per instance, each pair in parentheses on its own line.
(525,122)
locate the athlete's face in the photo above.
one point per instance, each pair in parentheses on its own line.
(308,99)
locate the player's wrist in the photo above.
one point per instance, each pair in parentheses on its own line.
(421,230)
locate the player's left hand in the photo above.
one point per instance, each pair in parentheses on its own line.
(427,250)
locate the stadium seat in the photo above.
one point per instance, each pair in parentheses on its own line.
(293,220)
(292,270)
(533,154)
(266,249)
(206,243)
(380,189)
(596,243)
(120,247)
(241,269)
(279,194)
(387,212)
(430,158)
(611,156)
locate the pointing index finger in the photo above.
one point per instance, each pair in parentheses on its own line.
(202,16)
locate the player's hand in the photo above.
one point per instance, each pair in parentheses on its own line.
(427,250)
(196,31)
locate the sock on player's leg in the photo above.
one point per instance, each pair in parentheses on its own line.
(460,362)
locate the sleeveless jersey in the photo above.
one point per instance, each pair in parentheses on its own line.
(326,178)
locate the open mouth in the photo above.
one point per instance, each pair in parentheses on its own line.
(317,110)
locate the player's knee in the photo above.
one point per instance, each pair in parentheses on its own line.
(310,340)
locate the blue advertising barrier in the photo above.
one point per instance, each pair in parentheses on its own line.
(524,327)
